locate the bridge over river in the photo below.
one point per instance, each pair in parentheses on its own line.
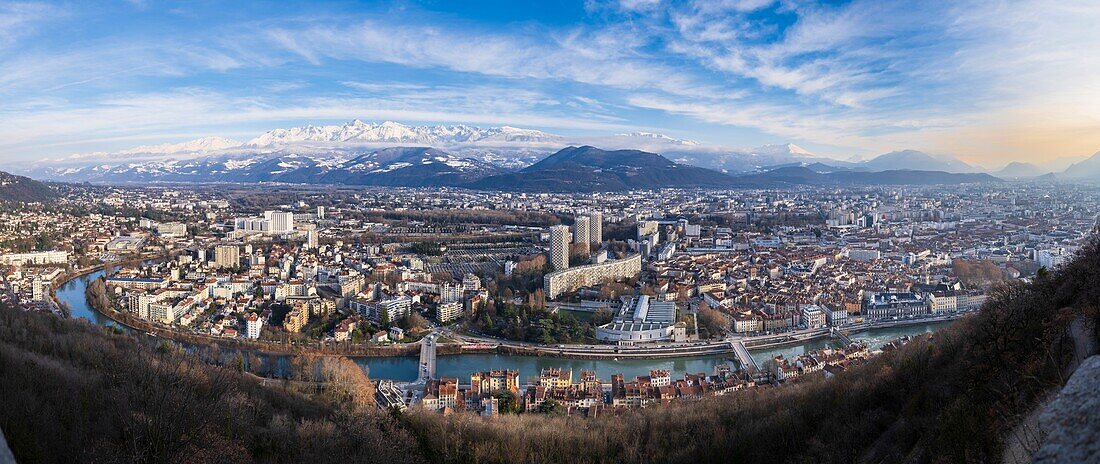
(694,358)
(745,358)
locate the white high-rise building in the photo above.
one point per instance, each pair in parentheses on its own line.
(595,227)
(447,312)
(253,325)
(581,233)
(280,222)
(311,239)
(559,247)
(320,212)
(40,289)
(470,283)
(450,292)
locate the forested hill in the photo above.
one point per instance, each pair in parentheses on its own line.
(23,189)
(75,392)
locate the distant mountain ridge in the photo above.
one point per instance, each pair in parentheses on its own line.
(1087,169)
(800,175)
(1019,170)
(576,169)
(409,167)
(406,166)
(201,145)
(916,160)
(503,147)
(572,169)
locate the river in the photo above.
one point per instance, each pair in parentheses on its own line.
(461,366)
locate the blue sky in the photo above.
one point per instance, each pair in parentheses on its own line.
(988,81)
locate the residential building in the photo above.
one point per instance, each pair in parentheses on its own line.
(227,256)
(446,313)
(595,227)
(581,233)
(253,325)
(490,382)
(813,317)
(559,247)
(567,280)
(885,305)
(40,257)
(296,319)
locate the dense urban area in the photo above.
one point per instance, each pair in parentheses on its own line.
(406,271)
(568,231)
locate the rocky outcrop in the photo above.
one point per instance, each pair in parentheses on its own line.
(5,453)
(1072,420)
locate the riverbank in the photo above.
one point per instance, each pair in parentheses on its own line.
(483,345)
(269,348)
(67,278)
(703,348)
(466,356)
(467,345)
(780,340)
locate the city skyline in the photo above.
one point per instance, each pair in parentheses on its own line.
(987,83)
(620,231)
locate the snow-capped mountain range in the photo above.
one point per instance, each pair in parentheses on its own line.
(387,166)
(202,145)
(504,147)
(391,153)
(396,133)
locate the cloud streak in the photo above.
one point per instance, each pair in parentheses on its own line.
(987,80)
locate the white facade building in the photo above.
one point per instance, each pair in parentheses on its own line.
(581,230)
(281,222)
(253,325)
(445,313)
(595,227)
(559,247)
(567,280)
(813,316)
(41,257)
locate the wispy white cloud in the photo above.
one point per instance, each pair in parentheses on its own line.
(124,117)
(20,18)
(860,76)
(607,57)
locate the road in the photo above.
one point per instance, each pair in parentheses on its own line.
(427,356)
(671,349)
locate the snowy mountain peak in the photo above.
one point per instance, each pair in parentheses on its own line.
(659,137)
(391,132)
(783,149)
(198,145)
